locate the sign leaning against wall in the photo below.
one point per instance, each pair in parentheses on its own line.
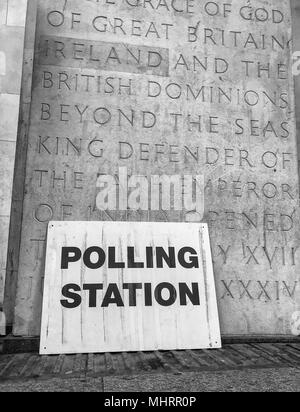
(113,287)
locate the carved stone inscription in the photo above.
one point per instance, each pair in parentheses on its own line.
(174,87)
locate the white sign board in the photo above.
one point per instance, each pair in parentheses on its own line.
(114,287)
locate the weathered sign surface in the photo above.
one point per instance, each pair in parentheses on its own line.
(180,87)
(113,287)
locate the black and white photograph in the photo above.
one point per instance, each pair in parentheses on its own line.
(149,199)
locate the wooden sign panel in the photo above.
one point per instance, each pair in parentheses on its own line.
(113,287)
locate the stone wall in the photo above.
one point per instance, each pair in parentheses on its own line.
(12,26)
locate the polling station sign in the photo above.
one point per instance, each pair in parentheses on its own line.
(115,287)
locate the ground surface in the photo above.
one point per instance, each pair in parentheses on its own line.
(246,367)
